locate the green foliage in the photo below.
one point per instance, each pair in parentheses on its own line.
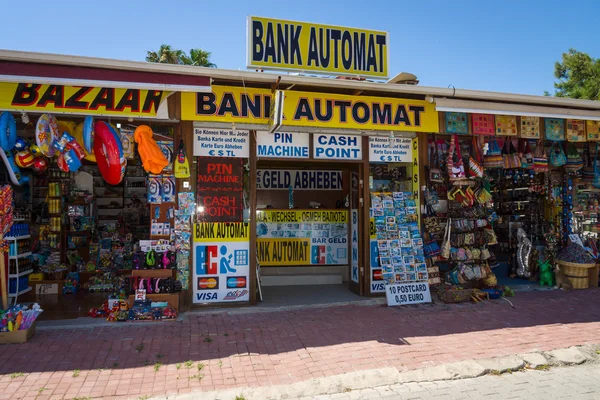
(166,54)
(578,76)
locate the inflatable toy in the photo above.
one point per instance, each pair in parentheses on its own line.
(84,135)
(88,134)
(35,150)
(109,153)
(16,177)
(70,153)
(46,132)
(8,131)
(153,159)
(40,165)
(24,159)
(21,144)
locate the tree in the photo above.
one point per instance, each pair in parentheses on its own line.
(578,76)
(200,58)
(168,55)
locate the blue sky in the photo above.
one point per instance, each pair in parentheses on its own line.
(510,46)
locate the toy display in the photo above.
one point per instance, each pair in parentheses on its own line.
(109,153)
(19,317)
(182,165)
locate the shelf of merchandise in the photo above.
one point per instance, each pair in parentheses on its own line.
(23,255)
(20,274)
(17,237)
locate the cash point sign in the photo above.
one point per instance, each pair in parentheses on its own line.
(80,99)
(311,110)
(300,46)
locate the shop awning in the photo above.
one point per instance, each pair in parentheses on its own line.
(468,106)
(52,74)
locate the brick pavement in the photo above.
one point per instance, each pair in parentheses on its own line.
(240,348)
(573,383)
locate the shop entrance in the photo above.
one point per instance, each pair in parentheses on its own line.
(308,228)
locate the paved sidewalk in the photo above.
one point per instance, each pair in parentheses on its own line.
(571,383)
(241,348)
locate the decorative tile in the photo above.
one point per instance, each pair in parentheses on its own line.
(483,124)
(506,125)
(530,127)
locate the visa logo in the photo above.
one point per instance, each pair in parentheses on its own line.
(377,287)
(206,296)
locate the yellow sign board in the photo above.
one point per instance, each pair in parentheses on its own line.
(301,46)
(322,216)
(222,232)
(284,251)
(80,99)
(310,110)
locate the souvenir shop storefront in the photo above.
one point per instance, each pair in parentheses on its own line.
(98,211)
(511,200)
(320,201)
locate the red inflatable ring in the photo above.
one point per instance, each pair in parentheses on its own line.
(109,153)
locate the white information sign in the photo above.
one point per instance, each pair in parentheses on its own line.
(209,142)
(337,147)
(401,294)
(282,145)
(386,149)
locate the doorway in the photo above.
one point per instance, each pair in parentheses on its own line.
(308,231)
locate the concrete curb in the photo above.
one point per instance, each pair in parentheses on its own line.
(389,376)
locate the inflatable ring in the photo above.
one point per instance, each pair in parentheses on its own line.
(46,132)
(66,126)
(16,177)
(8,131)
(79,137)
(88,134)
(109,153)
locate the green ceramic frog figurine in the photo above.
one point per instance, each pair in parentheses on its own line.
(546,275)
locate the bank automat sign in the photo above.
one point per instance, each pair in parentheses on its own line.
(337,147)
(301,46)
(282,145)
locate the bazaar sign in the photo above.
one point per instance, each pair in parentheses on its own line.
(80,99)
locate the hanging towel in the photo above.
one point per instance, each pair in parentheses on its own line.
(153,159)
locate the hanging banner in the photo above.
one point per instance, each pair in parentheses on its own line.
(312,110)
(300,46)
(221,262)
(302,237)
(337,147)
(61,99)
(386,149)
(282,179)
(282,145)
(221,143)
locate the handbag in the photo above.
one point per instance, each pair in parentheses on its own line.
(475,167)
(526,155)
(456,169)
(540,159)
(505,156)
(446,247)
(493,157)
(431,249)
(557,156)
(435,173)
(515,160)
(574,160)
